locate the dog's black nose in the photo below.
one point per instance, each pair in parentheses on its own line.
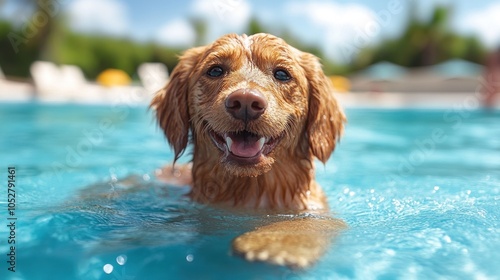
(246,104)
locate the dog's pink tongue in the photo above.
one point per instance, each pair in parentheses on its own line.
(244,146)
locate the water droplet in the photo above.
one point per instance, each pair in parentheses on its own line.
(189,258)
(121,259)
(107,268)
(436,188)
(447,239)
(390,252)
(146,177)
(413,269)
(346,190)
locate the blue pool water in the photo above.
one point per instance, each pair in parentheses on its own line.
(419,189)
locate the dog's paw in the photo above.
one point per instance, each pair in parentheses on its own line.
(296,243)
(178,175)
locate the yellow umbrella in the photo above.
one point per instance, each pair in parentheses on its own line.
(113,77)
(340,84)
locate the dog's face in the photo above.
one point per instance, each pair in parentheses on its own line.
(250,101)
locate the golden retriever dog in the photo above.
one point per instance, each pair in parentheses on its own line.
(257,112)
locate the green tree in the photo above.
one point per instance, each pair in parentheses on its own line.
(200,27)
(424,42)
(254,27)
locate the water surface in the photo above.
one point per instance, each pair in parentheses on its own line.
(418,188)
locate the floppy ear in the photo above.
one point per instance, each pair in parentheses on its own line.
(325,120)
(171,102)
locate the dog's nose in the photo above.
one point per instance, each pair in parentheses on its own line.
(246,104)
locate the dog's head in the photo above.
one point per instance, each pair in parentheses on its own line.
(250,100)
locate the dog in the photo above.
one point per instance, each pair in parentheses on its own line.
(257,112)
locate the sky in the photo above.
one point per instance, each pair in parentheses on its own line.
(339,27)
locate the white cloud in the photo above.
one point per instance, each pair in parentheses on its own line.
(222,16)
(484,23)
(178,32)
(101,16)
(345,28)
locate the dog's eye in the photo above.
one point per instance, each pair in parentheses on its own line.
(215,71)
(281,75)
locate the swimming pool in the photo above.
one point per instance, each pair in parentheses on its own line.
(420,190)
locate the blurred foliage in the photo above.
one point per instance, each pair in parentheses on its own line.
(51,40)
(97,53)
(201,31)
(15,63)
(93,53)
(423,42)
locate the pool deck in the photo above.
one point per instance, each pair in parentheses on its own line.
(89,93)
(15,91)
(424,100)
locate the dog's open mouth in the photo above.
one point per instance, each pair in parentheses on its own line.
(244,147)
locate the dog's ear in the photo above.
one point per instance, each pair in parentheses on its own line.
(171,102)
(325,120)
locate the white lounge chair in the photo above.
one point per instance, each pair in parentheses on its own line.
(153,76)
(64,84)
(73,82)
(14,90)
(47,78)
(68,84)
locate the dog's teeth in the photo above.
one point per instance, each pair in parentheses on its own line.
(261,142)
(229,142)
